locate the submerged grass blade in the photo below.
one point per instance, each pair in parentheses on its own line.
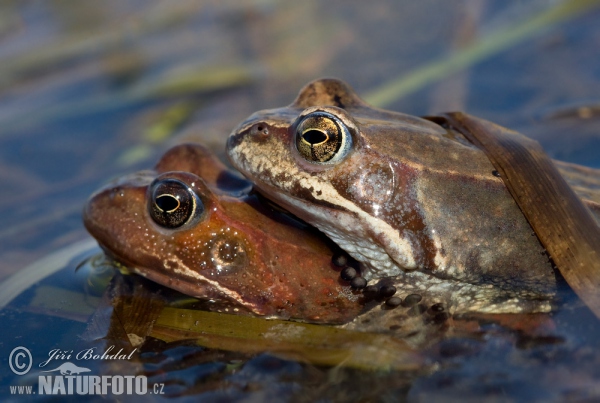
(478,51)
(203,80)
(317,344)
(93,42)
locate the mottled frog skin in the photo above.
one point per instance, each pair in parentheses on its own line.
(192,225)
(415,203)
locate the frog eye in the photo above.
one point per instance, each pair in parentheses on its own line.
(172,203)
(322,138)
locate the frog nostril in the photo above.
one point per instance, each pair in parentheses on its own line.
(260,130)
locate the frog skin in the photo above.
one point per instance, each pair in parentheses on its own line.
(417,204)
(220,242)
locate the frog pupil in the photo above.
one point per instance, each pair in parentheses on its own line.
(315,137)
(167,202)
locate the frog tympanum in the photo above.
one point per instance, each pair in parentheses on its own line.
(416,203)
(194,226)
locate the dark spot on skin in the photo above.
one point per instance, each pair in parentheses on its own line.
(440,317)
(348,274)
(496,173)
(395,327)
(358,283)
(319,192)
(436,308)
(411,300)
(393,302)
(387,291)
(306,194)
(417,310)
(371,291)
(338,101)
(340,259)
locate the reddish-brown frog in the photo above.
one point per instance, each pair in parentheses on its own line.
(192,225)
(421,207)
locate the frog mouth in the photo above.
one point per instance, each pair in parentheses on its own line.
(221,300)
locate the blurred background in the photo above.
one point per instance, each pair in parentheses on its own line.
(90,90)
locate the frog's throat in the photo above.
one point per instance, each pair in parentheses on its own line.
(373,241)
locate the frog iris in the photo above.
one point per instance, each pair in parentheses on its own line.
(172,203)
(322,138)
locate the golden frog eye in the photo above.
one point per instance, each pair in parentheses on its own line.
(322,138)
(172,203)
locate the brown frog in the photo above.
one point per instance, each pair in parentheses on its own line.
(194,226)
(416,203)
